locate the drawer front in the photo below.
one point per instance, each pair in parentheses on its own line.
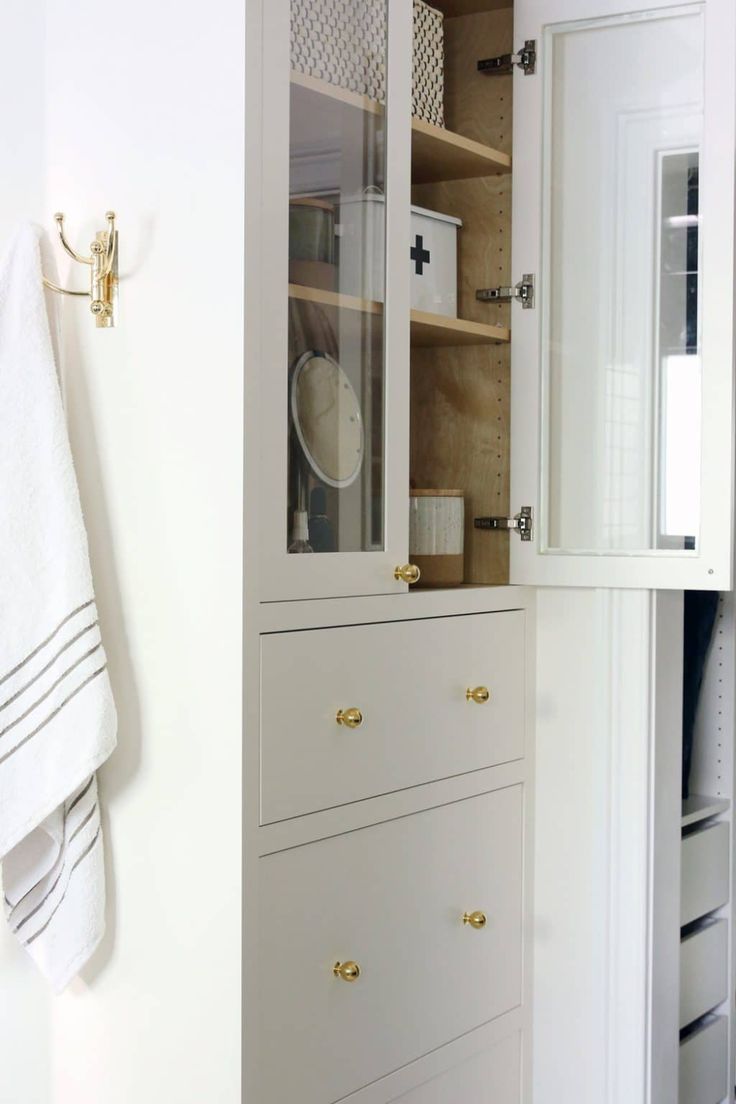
(491,1077)
(705,866)
(704,1064)
(391,898)
(703,971)
(409,681)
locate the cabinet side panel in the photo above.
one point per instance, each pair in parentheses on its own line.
(666,774)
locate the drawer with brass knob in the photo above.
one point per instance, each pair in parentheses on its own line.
(459,678)
(364,975)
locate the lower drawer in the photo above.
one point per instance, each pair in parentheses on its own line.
(705,868)
(704,1064)
(703,971)
(391,898)
(491,1077)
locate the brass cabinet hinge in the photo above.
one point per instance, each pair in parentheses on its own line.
(522,523)
(526,59)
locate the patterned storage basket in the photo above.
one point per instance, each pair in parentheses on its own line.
(343,42)
(428,72)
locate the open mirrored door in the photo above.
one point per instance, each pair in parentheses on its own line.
(622,374)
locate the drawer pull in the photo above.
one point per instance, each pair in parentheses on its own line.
(475,920)
(351,718)
(409,573)
(346,971)
(478,694)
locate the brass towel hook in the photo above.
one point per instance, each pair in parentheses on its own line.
(103,291)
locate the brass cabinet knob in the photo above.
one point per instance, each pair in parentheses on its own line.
(351,718)
(409,573)
(478,694)
(346,971)
(476,920)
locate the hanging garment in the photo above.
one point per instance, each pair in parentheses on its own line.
(701,610)
(57,716)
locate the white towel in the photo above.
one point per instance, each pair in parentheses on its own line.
(57,717)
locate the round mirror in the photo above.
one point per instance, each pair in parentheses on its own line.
(327,418)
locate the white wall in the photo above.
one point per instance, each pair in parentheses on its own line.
(25,1050)
(143,112)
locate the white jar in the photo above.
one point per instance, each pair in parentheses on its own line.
(437,535)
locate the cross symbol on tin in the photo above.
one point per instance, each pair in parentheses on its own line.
(419,255)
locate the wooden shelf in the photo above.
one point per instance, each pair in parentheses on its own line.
(436,154)
(439,154)
(435,330)
(427,330)
(334,299)
(698,807)
(334,92)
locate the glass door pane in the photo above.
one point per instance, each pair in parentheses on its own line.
(622,331)
(335,394)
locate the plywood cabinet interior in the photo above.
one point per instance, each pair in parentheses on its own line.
(460,396)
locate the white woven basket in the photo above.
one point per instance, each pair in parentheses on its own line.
(343,42)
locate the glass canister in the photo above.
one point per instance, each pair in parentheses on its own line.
(437,535)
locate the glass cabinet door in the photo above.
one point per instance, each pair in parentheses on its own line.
(626,366)
(336,200)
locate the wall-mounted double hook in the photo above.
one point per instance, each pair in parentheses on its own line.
(103,262)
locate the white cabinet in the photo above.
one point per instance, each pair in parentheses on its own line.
(705,874)
(703,1064)
(390,898)
(626,364)
(333,364)
(591,418)
(382,707)
(620,409)
(492,1076)
(703,971)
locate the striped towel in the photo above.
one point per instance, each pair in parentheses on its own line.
(57,717)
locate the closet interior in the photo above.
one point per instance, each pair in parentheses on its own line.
(705,921)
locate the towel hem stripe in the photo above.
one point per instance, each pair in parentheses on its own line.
(61,900)
(79,796)
(48,640)
(60,679)
(37,908)
(53,714)
(37,676)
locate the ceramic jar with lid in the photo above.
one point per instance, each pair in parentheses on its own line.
(436,535)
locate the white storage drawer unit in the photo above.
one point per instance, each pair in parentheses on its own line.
(409,680)
(392,898)
(705,872)
(491,1077)
(703,971)
(704,1064)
